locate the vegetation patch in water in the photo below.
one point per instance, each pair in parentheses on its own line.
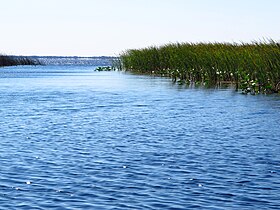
(252,67)
(104,68)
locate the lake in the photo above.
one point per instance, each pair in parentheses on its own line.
(74,138)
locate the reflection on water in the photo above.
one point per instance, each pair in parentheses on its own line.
(73,138)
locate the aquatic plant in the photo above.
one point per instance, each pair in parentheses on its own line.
(104,68)
(6,60)
(252,67)
(116,63)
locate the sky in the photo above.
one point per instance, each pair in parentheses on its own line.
(109,27)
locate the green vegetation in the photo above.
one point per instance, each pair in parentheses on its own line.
(104,68)
(252,67)
(6,60)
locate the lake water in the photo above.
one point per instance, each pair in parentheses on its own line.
(73,138)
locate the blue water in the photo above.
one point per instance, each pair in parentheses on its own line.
(73,138)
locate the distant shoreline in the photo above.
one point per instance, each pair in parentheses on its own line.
(9,60)
(62,56)
(14,60)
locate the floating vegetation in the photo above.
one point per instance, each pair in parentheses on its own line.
(104,68)
(6,60)
(252,67)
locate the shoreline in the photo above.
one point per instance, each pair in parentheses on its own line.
(8,60)
(253,67)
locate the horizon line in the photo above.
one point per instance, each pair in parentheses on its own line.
(63,56)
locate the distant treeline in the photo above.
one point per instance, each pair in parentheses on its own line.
(253,67)
(6,60)
(75,60)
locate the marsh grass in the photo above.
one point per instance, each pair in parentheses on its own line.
(6,60)
(252,67)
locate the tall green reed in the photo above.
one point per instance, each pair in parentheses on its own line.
(253,67)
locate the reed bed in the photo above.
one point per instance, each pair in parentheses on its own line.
(252,67)
(6,60)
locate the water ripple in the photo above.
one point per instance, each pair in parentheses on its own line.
(118,141)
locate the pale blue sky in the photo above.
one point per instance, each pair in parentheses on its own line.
(107,27)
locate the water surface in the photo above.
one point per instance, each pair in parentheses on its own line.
(73,138)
